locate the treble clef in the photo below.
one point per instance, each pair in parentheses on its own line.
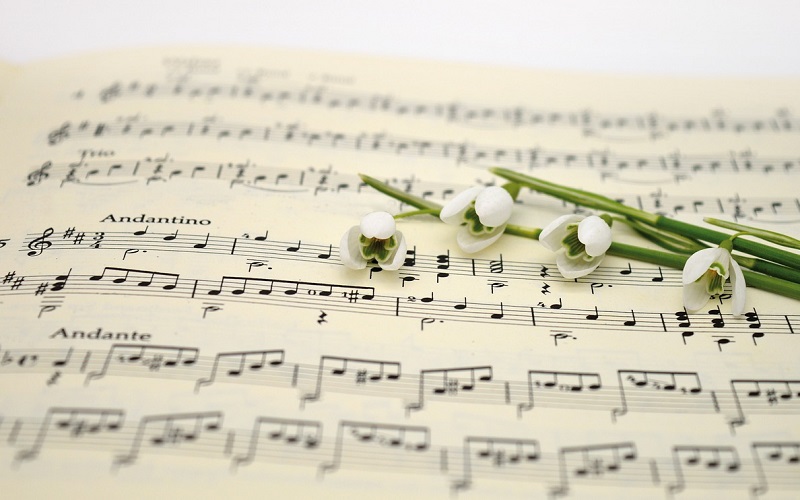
(58,134)
(40,244)
(37,176)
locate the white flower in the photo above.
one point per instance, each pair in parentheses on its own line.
(705,274)
(375,238)
(482,212)
(580,243)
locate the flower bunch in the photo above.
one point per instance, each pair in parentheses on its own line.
(581,242)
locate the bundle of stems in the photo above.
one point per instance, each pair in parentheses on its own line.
(770,268)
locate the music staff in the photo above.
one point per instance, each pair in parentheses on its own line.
(273,251)
(367,446)
(342,297)
(606,162)
(588,122)
(316,181)
(638,391)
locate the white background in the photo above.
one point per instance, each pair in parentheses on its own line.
(684,37)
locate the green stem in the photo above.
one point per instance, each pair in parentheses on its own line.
(600,202)
(676,261)
(790,273)
(671,241)
(764,234)
(427,211)
(409,199)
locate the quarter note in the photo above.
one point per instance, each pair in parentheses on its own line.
(327,254)
(632,321)
(500,314)
(660,276)
(203,244)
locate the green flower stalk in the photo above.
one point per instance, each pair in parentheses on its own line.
(771,236)
(661,258)
(784,264)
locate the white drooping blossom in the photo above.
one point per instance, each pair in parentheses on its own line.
(705,274)
(580,243)
(375,238)
(482,213)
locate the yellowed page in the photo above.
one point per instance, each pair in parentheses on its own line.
(176,320)
(7,73)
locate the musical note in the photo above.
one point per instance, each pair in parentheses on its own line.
(562,381)
(411,257)
(150,357)
(698,461)
(496,266)
(75,422)
(773,459)
(450,383)
(284,432)
(203,244)
(443,261)
(241,363)
(581,463)
(498,453)
(327,254)
(636,388)
(363,370)
(660,277)
(400,439)
(500,314)
(171,431)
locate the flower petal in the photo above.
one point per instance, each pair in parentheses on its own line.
(554,232)
(350,249)
(453,211)
(397,259)
(595,234)
(378,225)
(493,206)
(576,268)
(695,295)
(470,243)
(698,263)
(739,288)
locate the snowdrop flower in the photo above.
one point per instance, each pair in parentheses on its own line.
(482,212)
(705,274)
(580,243)
(375,238)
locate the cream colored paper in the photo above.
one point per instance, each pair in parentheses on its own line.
(137,182)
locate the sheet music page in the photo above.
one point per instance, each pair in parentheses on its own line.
(7,73)
(176,320)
